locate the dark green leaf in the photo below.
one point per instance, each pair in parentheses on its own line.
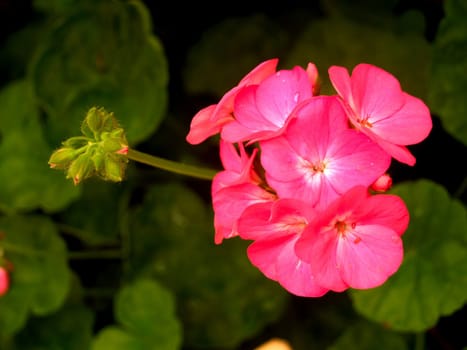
(120,66)
(449,72)
(146,313)
(367,336)
(27,182)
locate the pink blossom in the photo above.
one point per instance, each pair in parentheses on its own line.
(262,111)
(275,227)
(319,157)
(4,281)
(210,120)
(376,105)
(355,242)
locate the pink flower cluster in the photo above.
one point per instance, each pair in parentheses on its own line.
(303,173)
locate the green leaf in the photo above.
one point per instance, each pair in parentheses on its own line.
(146,313)
(173,241)
(405,54)
(120,66)
(448,75)
(27,182)
(252,40)
(68,329)
(40,277)
(432,279)
(369,336)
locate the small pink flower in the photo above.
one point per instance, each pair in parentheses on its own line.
(319,157)
(234,189)
(4,281)
(377,106)
(262,111)
(275,227)
(355,242)
(210,120)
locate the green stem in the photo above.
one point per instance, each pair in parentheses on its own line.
(175,167)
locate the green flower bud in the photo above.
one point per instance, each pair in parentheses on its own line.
(62,158)
(80,169)
(114,168)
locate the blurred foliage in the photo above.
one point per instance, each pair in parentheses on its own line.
(146,312)
(133,265)
(449,80)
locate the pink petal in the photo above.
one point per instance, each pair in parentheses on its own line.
(229,203)
(295,275)
(268,220)
(385,210)
(319,248)
(376,93)
(354,160)
(277,260)
(316,122)
(409,125)
(340,79)
(399,153)
(369,255)
(201,127)
(248,119)
(260,72)
(263,255)
(280,93)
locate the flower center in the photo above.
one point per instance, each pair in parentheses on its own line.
(343,226)
(364,122)
(318,167)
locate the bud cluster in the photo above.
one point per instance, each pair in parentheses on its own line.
(100,151)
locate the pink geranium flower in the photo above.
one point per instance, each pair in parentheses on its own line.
(210,120)
(355,242)
(319,157)
(377,106)
(275,227)
(263,111)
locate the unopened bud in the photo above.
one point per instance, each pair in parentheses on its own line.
(114,169)
(382,184)
(81,169)
(4,281)
(62,158)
